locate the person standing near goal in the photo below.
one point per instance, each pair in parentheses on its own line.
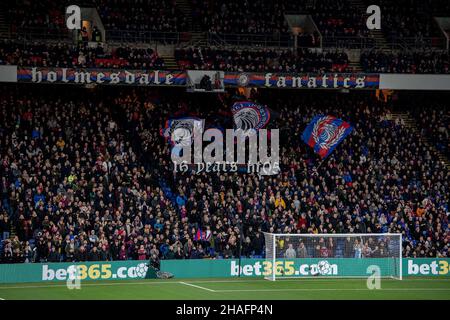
(290,252)
(301,251)
(358,249)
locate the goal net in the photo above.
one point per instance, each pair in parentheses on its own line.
(332,255)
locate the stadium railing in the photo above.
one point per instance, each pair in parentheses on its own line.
(41,33)
(144,36)
(349,42)
(253,40)
(123,36)
(285,40)
(420,43)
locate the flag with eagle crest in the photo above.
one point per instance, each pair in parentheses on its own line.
(248,115)
(324,133)
(180,131)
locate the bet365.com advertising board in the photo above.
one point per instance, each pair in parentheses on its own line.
(221,268)
(348,267)
(46,272)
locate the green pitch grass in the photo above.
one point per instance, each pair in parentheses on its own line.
(234,289)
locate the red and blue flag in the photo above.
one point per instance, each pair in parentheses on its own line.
(324,133)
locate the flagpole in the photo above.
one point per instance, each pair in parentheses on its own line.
(241,235)
(321,163)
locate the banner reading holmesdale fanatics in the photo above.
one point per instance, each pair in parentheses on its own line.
(179,78)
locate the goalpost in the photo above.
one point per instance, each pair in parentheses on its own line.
(355,255)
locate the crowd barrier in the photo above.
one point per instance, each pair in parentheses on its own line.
(219,268)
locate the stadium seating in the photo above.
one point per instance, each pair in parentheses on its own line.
(334,18)
(425,61)
(88,167)
(43,54)
(138,15)
(411,21)
(139,20)
(431,116)
(434,124)
(101,177)
(303,60)
(235,16)
(405,22)
(46,17)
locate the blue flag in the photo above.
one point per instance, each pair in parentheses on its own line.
(324,133)
(249,115)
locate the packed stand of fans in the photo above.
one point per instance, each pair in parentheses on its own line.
(334,18)
(406,62)
(136,20)
(432,116)
(140,16)
(412,21)
(438,7)
(88,176)
(45,15)
(43,54)
(123,19)
(263,60)
(252,17)
(435,124)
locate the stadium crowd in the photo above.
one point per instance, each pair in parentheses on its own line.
(434,121)
(333,18)
(427,61)
(130,15)
(404,20)
(138,15)
(263,60)
(45,15)
(61,54)
(137,20)
(44,54)
(411,21)
(435,124)
(86,175)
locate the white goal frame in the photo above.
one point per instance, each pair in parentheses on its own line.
(271,254)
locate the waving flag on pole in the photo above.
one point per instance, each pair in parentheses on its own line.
(249,115)
(324,133)
(181,130)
